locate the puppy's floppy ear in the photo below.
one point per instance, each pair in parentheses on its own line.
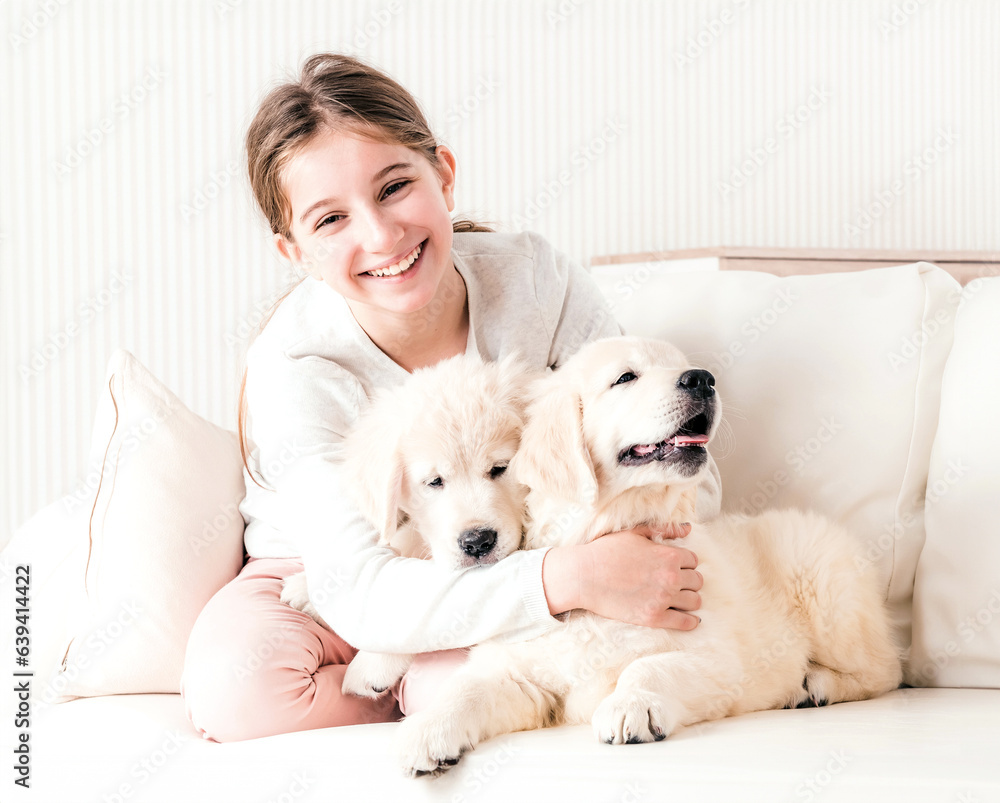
(374,472)
(553,457)
(515,379)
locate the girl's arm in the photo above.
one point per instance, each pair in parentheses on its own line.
(299,411)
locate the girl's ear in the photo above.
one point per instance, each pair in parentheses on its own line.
(290,251)
(372,452)
(446,172)
(553,458)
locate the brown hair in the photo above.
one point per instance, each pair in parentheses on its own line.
(333,92)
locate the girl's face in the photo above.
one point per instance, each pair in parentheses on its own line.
(371,220)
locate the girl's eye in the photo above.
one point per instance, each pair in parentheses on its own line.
(437,482)
(628,376)
(328,219)
(393,188)
(497,471)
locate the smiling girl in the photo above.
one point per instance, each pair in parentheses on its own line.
(359,196)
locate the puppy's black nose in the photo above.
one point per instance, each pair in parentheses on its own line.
(478,542)
(699,383)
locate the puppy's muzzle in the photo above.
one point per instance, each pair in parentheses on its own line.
(477,543)
(697,383)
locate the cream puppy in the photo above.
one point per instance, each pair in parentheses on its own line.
(427,463)
(616,438)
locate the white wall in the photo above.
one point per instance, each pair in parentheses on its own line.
(125,220)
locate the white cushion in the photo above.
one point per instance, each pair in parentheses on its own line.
(164,535)
(830,388)
(956,601)
(910,746)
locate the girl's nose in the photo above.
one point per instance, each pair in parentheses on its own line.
(382,232)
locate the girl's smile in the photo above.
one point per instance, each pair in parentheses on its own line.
(398,267)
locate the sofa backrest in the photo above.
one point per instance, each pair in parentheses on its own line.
(830,387)
(956,599)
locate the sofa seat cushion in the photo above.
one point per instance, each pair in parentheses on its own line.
(911,745)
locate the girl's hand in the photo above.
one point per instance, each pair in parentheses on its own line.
(626,576)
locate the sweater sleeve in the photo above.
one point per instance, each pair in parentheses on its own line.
(573,309)
(300,410)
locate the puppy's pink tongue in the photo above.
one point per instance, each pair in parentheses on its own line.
(689,440)
(641,450)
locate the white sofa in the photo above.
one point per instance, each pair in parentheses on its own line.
(871,396)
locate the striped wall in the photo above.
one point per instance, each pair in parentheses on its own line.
(634,125)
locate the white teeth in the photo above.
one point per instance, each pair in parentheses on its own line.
(399,267)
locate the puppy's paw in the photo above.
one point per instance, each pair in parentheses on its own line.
(429,745)
(295,593)
(372,674)
(631,718)
(818,688)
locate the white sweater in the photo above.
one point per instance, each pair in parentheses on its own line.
(310,374)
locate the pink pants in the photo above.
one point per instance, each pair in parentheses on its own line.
(256,667)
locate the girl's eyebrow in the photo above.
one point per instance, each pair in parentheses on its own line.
(375,179)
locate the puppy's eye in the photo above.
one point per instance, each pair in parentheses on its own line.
(628,376)
(436,482)
(497,471)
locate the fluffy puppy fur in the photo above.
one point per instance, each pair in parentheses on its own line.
(427,463)
(616,438)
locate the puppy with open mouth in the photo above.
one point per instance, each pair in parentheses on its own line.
(617,438)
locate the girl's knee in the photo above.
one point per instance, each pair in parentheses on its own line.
(425,678)
(274,700)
